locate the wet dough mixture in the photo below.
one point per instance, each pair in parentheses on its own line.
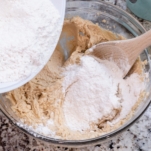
(42,102)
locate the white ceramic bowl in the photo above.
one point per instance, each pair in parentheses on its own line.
(5,87)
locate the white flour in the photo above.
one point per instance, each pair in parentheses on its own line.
(92,93)
(29,29)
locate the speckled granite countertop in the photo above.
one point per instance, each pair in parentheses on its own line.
(137,138)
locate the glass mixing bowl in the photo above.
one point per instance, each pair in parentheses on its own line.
(117,21)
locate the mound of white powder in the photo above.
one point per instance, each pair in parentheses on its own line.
(29,31)
(95,91)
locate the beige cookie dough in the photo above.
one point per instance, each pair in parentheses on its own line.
(41,99)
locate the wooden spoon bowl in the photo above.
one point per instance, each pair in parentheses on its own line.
(123,52)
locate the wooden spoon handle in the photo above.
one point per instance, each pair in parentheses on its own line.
(133,47)
(143,41)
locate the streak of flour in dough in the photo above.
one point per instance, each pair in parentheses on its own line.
(29,29)
(93,93)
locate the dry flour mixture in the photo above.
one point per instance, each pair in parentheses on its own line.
(29,29)
(95,92)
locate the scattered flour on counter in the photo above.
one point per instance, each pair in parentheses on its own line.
(96,92)
(29,30)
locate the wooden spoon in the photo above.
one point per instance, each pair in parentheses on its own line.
(123,52)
